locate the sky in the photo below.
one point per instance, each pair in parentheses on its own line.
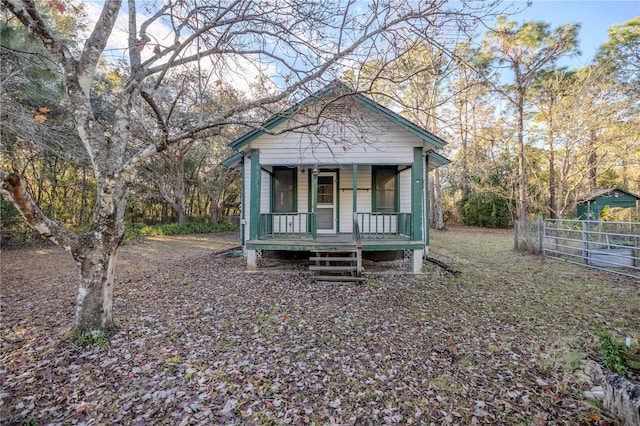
(596,17)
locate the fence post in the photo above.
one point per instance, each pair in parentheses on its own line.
(540,235)
(585,242)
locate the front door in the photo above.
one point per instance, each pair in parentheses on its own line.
(327,206)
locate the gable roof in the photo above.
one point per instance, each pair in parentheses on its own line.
(596,193)
(338,87)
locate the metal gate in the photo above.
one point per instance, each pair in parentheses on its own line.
(609,246)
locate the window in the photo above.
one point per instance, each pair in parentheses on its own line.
(385,196)
(284,187)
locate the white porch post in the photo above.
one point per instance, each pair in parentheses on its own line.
(252,260)
(417,261)
(355,197)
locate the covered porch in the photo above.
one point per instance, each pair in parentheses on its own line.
(306,201)
(331,207)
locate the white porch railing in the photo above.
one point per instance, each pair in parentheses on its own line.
(301,225)
(385,225)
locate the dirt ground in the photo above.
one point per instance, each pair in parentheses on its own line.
(201,341)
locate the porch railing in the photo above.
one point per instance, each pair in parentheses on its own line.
(301,225)
(286,225)
(385,225)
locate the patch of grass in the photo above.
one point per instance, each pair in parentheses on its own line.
(90,338)
(561,354)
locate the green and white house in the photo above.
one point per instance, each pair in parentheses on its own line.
(336,171)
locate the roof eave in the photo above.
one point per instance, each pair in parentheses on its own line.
(436,160)
(414,129)
(233,161)
(283,116)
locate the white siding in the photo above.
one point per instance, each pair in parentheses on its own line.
(303,191)
(405,191)
(366,138)
(265,192)
(247,197)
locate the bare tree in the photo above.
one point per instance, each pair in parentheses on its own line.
(294,44)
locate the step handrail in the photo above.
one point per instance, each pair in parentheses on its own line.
(356,230)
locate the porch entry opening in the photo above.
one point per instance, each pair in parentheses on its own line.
(327,206)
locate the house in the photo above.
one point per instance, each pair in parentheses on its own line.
(336,172)
(590,205)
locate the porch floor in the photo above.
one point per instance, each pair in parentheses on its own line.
(334,241)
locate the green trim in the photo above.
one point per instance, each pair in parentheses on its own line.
(397,119)
(437,160)
(416,193)
(309,199)
(336,188)
(242,203)
(254,206)
(294,170)
(233,160)
(374,187)
(314,206)
(354,195)
(301,245)
(427,203)
(338,86)
(283,116)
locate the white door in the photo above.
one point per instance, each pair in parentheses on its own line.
(327,206)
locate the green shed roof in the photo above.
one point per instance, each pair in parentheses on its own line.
(599,193)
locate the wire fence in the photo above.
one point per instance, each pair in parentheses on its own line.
(609,246)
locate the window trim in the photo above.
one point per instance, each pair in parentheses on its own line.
(294,171)
(374,179)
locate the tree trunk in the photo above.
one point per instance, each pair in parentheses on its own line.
(179,189)
(432,201)
(553,206)
(464,133)
(94,307)
(592,160)
(213,213)
(94,251)
(96,254)
(437,189)
(522,198)
(175,200)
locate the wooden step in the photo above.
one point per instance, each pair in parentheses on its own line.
(330,268)
(332,259)
(337,278)
(336,265)
(335,251)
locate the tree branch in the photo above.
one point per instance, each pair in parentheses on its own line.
(95,44)
(11,186)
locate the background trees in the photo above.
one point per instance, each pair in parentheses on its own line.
(121,122)
(93,135)
(526,50)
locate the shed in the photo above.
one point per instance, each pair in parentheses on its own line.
(590,205)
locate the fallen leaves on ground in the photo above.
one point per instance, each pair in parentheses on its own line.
(201,341)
